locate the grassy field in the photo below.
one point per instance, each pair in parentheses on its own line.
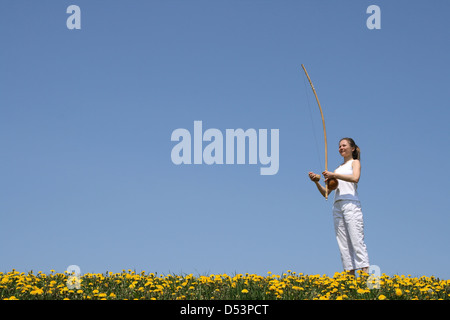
(287,286)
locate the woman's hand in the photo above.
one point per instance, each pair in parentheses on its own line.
(329,175)
(314,177)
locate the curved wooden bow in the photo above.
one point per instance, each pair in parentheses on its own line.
(324,130)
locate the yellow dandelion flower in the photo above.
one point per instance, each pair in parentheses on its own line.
(381,297)
(244,291)
(398,292)
(37,291)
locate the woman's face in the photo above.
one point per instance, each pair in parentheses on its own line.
(344,149)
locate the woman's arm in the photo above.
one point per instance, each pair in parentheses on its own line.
(356,165)
(321,188)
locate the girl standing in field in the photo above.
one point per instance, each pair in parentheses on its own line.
(347,214)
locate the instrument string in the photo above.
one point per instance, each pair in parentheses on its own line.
(312,124)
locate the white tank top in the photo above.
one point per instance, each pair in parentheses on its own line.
(346,190)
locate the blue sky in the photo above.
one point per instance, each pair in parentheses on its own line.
(86,118)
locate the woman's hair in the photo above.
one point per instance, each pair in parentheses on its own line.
(357,152)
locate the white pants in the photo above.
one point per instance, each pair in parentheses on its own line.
(349,228)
